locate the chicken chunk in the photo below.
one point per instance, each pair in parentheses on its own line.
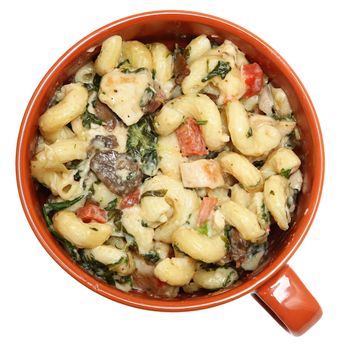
(202,173)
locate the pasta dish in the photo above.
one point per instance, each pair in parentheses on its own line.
(167,167)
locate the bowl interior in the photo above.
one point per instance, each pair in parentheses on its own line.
(168,30)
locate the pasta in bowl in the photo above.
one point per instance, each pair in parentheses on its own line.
(168,166)
(173,161)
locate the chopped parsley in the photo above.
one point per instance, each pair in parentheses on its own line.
(201,122)
(203,230)
(285,172)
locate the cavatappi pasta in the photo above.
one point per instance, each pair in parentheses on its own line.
(168,168)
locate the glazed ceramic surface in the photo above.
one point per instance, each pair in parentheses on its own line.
(274,284)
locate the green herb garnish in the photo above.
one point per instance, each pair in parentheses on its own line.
(51,208)
(89,119)
(148,95)
(221,69)
(265,214)
(95,85)
(203,230)
(128,71)
(111,205)
(141,145)
(285,172)
(123,62)
(287,117)
(152,256)
(201,122)
(156,193)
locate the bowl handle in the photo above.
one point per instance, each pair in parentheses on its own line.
(289,302)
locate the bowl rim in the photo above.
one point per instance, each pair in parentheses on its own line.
(194,303)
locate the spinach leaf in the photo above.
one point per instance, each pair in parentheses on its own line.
(148,95)
(152,256)
(74,164)
(111,205)
(92,266)
(95,85)
(141,145)
(128,71)
(51,208)
(292,141)
(156,193)
(221,69)
(123,63)
(96,268)
(288,117)
(265,214)
(116,216)
(90,118)
(211,155)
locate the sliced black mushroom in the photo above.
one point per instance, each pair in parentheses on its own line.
(104,113)
(119,172)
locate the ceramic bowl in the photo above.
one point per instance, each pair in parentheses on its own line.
(274,285)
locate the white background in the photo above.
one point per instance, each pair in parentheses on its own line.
(42,307)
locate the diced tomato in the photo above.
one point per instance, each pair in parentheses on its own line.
(190,139)
(253,75)
(92,212)
(130,200)
(206,208)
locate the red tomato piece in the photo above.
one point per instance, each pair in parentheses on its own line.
(92,212)
(130,200)
(253,76)
(190,139)
(206,208)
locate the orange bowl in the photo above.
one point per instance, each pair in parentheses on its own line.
(170,27)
